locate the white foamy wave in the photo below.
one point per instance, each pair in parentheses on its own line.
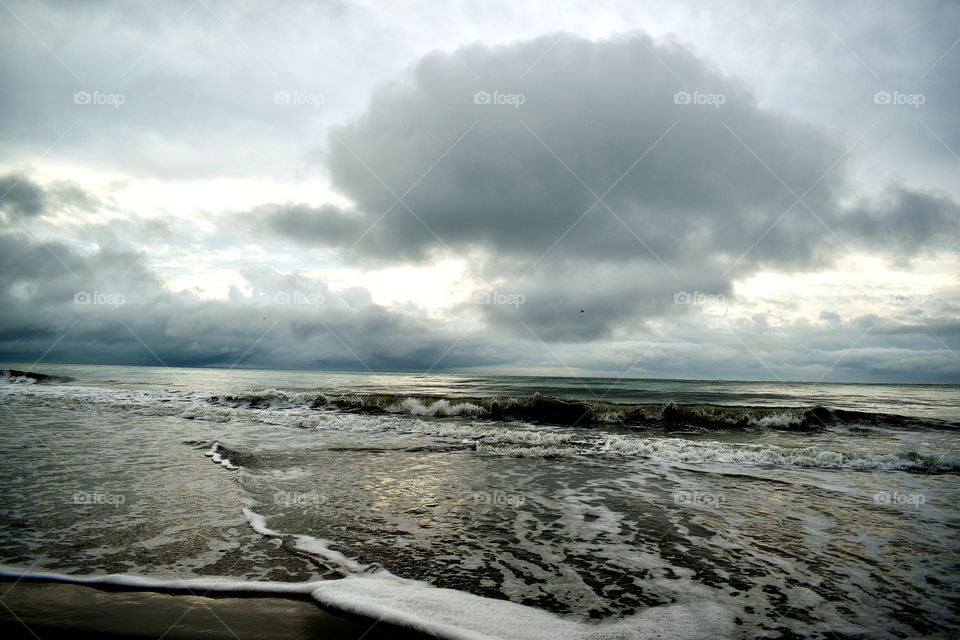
(533,438)
(14,376)
(309,545)
(494,438)
(18,380)
(415,407)
(538,451)
(446,613)
(442,613)
(218,458)
(687,451)
(188,585)
(777,420)
(265,398)
(534,444)
(460,430)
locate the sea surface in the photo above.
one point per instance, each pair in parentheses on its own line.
(496,506)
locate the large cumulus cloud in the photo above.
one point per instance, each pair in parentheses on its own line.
(619,173)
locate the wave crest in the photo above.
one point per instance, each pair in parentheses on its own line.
(551,410)
(15,376)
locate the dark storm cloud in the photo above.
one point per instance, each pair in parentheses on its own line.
(906,221)
(606,175)
(24,198)
(328,225)
(20,196)
(48,274)
(107,307)
(125,315)
(517,178)
(579,299)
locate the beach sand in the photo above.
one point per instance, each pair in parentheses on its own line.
(53,610)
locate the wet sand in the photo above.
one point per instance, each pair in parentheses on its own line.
(55,610)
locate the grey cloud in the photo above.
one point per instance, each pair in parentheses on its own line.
(906,221)
(578,299)
(328,225)
(136,320)
(273,287)
(37,311)
(598,106)
(693,195)
(199,80)
(21,196)
(50,273)
(122,232)
(71,197)
(197,83)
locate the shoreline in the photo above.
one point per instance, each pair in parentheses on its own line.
(47,608)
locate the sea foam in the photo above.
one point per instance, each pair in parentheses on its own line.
(443,613)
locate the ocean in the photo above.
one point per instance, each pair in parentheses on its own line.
(470,506)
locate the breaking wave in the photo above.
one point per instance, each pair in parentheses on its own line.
(550,410)
(518,443)
(15,376)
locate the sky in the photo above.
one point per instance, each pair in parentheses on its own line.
(743,190)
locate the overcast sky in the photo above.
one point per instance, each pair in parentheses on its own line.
(753,190)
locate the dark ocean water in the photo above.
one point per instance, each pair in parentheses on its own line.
(600,508)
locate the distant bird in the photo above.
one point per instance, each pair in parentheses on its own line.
(581,310)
